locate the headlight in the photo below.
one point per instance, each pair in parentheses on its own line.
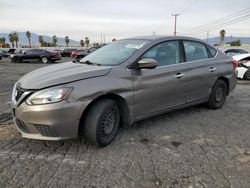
(47,96)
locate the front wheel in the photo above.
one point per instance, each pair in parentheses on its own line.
(218,95)
(16,60)
(247,75)
(102,122)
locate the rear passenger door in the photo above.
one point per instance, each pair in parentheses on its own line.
(201,70)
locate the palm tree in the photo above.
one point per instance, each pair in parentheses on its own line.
(40,39)
(82,42)
(67,40)
(11,39)
(2,42)
(28,34)
(16,38)
(87,41)
(54,39)
(222,36)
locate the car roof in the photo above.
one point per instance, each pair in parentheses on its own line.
(166,37)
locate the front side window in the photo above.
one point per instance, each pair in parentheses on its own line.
(195,51)
(166,53)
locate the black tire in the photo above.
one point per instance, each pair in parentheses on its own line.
(247,75)
(16,60)
(218,95)
(79,57)
(102,122)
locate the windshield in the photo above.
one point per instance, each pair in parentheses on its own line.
(115,53)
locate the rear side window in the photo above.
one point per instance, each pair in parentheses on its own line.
(211,51)
(242,51)
(195,51)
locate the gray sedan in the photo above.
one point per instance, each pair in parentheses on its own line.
(123,82)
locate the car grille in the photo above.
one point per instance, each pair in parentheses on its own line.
(46,130)
(21,125)
(19,93)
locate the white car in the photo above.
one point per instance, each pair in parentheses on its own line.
(243,66)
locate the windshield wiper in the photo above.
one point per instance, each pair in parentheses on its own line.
(90,63)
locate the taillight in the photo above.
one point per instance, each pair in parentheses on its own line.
(234,63)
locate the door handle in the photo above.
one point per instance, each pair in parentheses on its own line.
(212,69)
(179,75)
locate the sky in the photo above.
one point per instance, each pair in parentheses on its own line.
(119,18)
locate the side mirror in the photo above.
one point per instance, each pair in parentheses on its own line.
(147,63)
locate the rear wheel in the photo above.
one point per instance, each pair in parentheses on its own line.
(44,60)
(102,122)
(247,75)
(218,95)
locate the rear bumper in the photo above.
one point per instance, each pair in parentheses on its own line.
(55,58)
(57,121)
(232,82)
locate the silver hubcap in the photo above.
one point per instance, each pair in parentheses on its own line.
(219,94)
(108,122)
(44,60)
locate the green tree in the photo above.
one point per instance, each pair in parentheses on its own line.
(16,38)
(40,39)
(82,42)
(87,41)
(11,39)
(54,39)
(235,43)
(28,34)
(67,40)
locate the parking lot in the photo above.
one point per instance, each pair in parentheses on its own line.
(195,147)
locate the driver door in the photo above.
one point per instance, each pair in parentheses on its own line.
(162,88)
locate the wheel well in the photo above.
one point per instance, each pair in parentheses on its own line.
(224,79)
(122,104)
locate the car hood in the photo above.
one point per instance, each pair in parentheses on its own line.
(60,74)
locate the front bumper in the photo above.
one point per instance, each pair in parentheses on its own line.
(57,121)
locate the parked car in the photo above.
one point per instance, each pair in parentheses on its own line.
(67,52)
(243,68)
(3,53)
(82,54)
(234,51)
(73,54)
(35,54)
(123,82)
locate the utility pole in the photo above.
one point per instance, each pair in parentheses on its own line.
(175,22)
(207,35)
